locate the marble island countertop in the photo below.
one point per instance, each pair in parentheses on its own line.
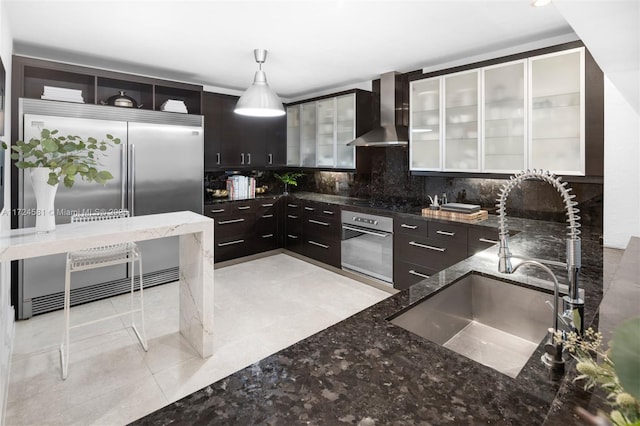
(367,370)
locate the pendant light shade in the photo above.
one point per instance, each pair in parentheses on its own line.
(259,100)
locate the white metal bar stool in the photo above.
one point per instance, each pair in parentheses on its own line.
(96,258)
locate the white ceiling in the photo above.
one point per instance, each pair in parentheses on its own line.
(313,45)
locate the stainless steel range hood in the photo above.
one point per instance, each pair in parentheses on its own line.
(388,134)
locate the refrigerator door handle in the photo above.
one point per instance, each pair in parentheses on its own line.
(123,176)
(132,163)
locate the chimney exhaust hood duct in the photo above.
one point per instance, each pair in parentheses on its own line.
(388,134)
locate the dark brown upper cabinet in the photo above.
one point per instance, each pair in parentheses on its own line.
(240,142)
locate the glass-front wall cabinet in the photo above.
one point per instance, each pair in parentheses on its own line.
(557,112)
(424,125)
(504,117)
(345,131)
(325,134)
(293,135)
(308,134)
(462,124)
(319,132)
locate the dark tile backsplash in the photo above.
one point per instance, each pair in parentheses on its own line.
(382,175)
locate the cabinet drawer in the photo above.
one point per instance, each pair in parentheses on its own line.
(264,241)
(406,274)
(322,226)
(231,207)
(265,206)
(322,209)
(413,226)
(293,241)
(215,210)
(323,250)
(481,238)
(231,248)
(242,207)
(428,252)
(230,225)
(267,223)
(448,232)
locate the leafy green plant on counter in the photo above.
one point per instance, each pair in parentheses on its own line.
(616,370)
(65,156)
(289,178)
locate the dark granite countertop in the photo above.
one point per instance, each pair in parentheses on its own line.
(366,370)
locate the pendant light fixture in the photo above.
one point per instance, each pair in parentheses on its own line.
(259,100)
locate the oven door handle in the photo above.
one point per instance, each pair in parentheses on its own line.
(377,234)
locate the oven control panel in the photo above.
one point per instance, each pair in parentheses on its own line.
(365,220)
(368,221)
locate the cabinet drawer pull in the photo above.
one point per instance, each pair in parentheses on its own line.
(217,210)
(318,244)
(448,234)
(317,222)
(404,225)
(290,216)
(484,240)
(218,158)
(293,206)
(267,236)
(226,222)
(266,216)
(270,159)
(418,274)
(327,212)
(309,208)
(230,243)
(413,243)
(249,158)
(295,237)
(242,158)
(244,207)
(268,205)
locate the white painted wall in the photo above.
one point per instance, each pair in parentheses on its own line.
(611,32)
(6,310)
(621,168)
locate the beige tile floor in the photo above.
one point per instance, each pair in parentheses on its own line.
(261,306)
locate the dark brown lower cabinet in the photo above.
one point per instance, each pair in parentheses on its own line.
(245,227)
(233,236)
(422,248)
(293,225)
(267,231)
(321,232)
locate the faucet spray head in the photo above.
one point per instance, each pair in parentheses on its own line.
(504,255)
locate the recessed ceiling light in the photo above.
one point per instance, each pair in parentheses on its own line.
(540,3)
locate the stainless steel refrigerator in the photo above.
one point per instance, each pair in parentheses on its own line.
(157,168)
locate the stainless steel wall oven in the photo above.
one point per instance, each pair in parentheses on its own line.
(367,245)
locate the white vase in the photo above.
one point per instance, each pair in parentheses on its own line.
(45,198)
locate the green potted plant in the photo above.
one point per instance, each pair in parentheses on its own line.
(616,371)
(53,158)
(289,178)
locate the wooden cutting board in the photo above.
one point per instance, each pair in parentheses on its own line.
(439,214)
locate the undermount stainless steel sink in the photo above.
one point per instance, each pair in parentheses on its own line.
(493,322)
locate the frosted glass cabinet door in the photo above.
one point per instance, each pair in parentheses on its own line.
(325,131)
(557,112)
(345,131)
(293,135)
(504,117)
(424,125)
(308,134)
(462,111)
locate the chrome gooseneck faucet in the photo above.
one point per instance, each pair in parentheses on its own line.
(573,305)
